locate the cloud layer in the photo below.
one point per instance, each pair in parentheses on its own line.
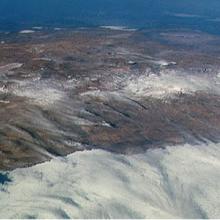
(178,182)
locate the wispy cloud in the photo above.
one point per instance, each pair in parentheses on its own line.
(184,15)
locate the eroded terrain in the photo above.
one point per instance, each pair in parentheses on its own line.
(124,91)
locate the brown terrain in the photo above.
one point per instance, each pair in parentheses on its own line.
(69,90)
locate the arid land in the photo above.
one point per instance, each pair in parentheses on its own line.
(123,91)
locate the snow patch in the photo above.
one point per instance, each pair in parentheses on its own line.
(43,96)
(169,84)
(10,66)
(164,63)
(39,92)
(4,101)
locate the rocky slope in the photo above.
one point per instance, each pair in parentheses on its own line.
(124,91)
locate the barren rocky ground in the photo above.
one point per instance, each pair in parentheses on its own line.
(124,91)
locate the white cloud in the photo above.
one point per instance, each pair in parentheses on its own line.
(26,32)
(179,182)
(185,15)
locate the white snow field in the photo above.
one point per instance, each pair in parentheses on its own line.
(171,83)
